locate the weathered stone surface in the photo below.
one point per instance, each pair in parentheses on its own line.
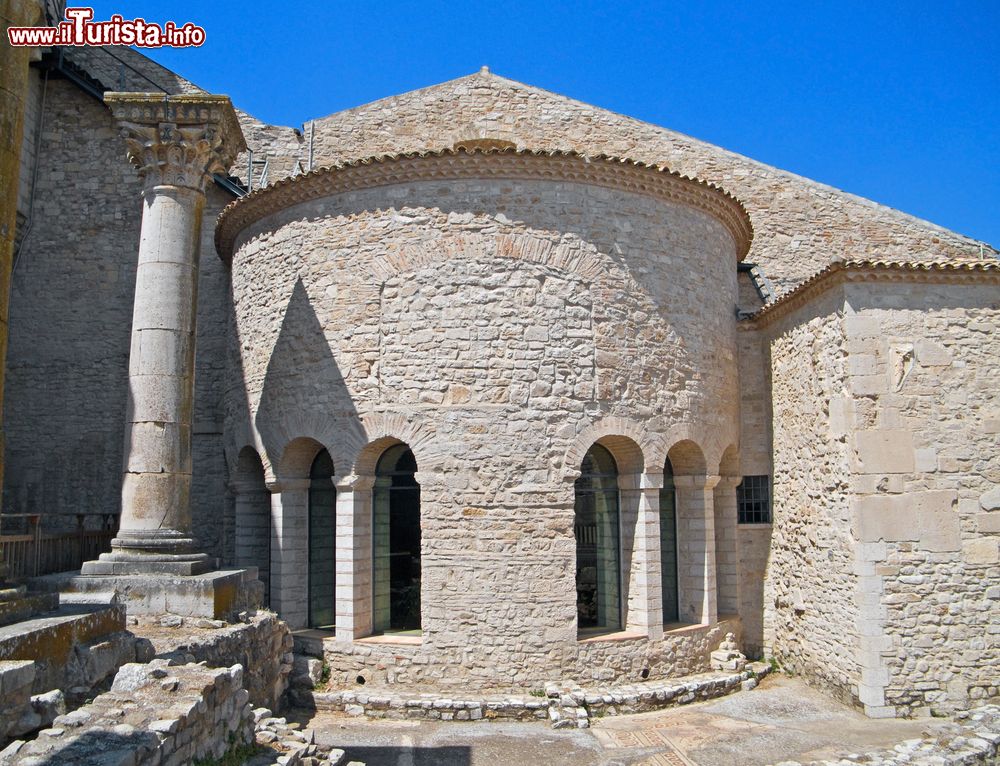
(142,721)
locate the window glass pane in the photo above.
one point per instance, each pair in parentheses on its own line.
(396,542)
(322,543)
(598,568)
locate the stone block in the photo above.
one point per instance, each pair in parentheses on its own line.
(982,551)
(15,675)
(857,327)
(988,523)
(990,501)
(214,594)
(931,354)
(923,517)
(925,460)
(885,451)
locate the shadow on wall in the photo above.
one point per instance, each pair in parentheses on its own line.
(755,554)
(292,417)
(303,388)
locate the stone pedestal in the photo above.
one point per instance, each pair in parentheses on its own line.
(176,143)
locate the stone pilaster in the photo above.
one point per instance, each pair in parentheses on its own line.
(727,553)
(696,548)
(354,557)
(290,550)
(645,613)
(253,529)
(175,143)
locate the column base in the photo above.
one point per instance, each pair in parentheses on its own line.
(151,551)
(217,595)
(117,563)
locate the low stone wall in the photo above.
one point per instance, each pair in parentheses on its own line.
(681,652)
(621,658)
(75,648)
(154,714)
(562,705)
(16,679)
(263,644)
(971,739)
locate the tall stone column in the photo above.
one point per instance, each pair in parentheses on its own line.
(290,550)
(175,144)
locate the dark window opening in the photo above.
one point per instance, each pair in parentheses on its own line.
(753,500)
(396,549)
(668,546)
(322,543)
(598,558)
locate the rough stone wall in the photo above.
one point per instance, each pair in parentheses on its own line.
(154,714)
(263,645)
(490,341)
(923,403)
(810,607)
(799,224)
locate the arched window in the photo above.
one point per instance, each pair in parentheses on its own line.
(598,555)
(322,543)
(668,545)
(396,543)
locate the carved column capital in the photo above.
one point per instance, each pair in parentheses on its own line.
(177,140)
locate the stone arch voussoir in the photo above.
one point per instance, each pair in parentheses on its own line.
(627,441)
(381,431)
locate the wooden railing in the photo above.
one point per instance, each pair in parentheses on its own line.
(30,552)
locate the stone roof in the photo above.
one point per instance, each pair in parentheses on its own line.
(981,270)
(799,225)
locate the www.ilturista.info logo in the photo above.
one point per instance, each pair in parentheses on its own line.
(78,29)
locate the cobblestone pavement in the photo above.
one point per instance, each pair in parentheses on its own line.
(782,719)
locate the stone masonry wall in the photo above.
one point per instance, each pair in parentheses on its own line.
(923,403)
(754,540)
(493,326)
(798,223)
(810,609)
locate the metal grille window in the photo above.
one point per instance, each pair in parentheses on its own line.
(753,499)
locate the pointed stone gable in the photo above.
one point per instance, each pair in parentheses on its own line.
(799,224)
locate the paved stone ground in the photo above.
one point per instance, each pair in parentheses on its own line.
(782,719)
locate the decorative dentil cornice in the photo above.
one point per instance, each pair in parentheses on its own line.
(177,140)
(881,270)
(485,162)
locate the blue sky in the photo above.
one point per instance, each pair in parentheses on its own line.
(895,101)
